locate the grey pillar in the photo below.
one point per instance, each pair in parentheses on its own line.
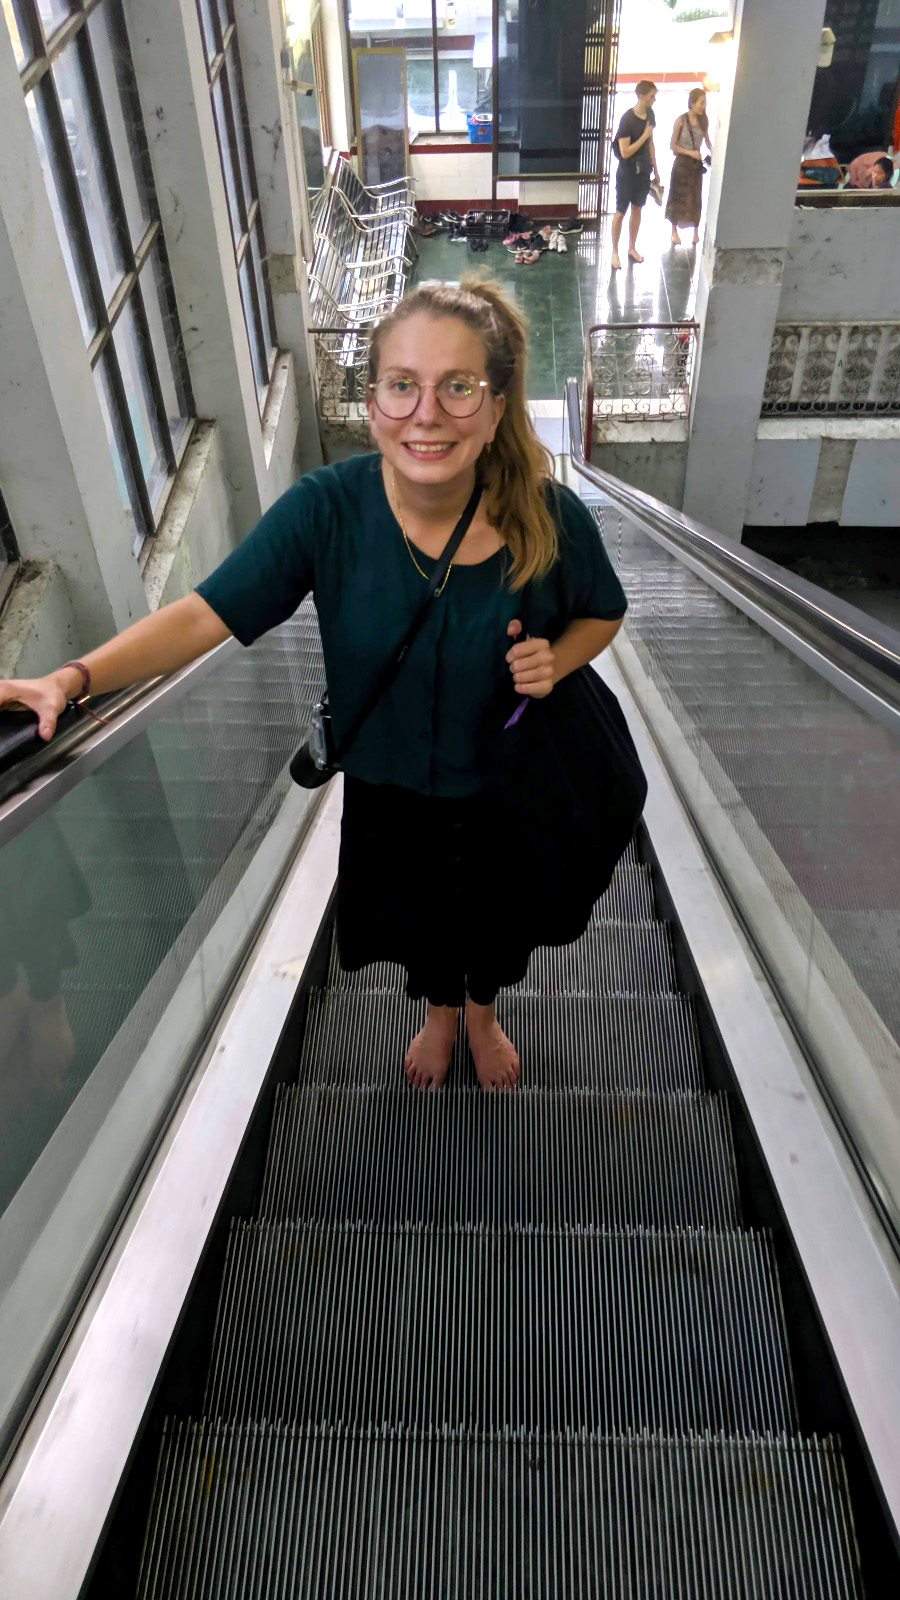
(753,183)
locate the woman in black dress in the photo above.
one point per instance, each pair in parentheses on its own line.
(428,875)
(690,133)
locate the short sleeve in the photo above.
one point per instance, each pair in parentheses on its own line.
(263,581)
(590,586)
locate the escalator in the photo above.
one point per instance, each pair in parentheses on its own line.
(509,1344)
(550,1343)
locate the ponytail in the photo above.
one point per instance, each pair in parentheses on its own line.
(516,467)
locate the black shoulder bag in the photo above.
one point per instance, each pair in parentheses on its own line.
(572,789)
(320,758)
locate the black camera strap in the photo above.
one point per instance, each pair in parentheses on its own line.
(387,676)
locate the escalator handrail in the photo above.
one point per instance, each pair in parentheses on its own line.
(42,775)
(873,645)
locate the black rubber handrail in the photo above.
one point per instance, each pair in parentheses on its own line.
(872,646)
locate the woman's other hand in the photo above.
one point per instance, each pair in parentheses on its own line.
(531,664)
(45,696)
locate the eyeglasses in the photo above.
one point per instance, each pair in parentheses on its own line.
(458,396)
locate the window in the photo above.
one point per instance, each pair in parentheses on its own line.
(76,73)
(229,110)
(449,53)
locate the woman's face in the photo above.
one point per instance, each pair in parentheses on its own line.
(430,447)
(699,105)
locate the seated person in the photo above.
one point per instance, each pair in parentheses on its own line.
(874,170)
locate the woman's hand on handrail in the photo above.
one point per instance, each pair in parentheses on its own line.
(151,648)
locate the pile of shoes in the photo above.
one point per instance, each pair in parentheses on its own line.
(528,247)
(476,244)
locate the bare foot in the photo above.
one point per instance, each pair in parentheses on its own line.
(428,1057)
(696,239)
(615,263)
(676,239)
(496,1061)
(633,256)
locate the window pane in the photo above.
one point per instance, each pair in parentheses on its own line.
(224,17)
(261,288)
(234,209)
(123,115)
(14,12)
(232,73)
(259,372)
(65,228)
(92,184)
(121,463)
(141,403)
(464,64)
(208,28)
(52,13)
(164,338)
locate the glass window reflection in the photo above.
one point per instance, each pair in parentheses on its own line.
(14,12)
(141,402)
(52,13)
(164,340)
(89,174)
(40,125)
(120,103)
(121,463)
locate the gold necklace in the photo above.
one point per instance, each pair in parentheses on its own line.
(409,547)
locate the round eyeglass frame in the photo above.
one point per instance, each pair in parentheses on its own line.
(477,383)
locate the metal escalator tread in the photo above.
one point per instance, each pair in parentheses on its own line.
(610,958)
(267,1512)
(633,1042)
(561,1158)
(532,1328)
(629,896)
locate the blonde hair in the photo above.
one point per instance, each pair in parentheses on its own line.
(516,468)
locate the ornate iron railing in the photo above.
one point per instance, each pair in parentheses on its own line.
(833,368)
(637,371)
(342,367)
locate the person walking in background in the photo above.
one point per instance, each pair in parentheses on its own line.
(636,155)
(690,133)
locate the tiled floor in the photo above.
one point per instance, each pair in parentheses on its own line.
(563,296)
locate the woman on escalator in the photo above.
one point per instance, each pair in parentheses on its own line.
(426,878)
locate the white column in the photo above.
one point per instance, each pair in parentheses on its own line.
(283,200)
(167,48)
(336,49)
(753,183)
(56,469)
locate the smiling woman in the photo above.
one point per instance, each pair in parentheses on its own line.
(430,872)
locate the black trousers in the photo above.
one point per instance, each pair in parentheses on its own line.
(425,882)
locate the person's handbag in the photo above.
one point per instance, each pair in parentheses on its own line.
(572,790)
(320,757)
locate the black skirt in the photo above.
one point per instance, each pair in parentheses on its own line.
(432,885)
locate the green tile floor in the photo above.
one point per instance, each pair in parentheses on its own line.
(563,296)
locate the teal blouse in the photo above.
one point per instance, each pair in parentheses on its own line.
(333,534)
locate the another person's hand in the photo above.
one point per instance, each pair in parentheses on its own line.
(43,695)
(531,664)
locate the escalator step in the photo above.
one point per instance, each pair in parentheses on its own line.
(539,1157)
(644,1043)
(423,1327)
(610,958)
(629,898)
(275,1513)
